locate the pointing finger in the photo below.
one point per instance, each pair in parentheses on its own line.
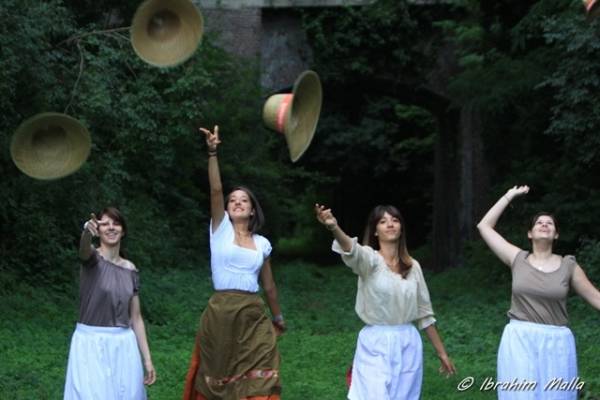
(205,131)
(95,222)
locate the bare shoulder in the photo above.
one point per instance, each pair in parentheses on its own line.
(129,265)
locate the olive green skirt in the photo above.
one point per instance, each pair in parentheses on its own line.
(238,348)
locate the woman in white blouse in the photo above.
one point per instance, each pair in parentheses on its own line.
(392,294)
(236,352)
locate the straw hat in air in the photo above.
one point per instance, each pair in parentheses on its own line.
(50,146)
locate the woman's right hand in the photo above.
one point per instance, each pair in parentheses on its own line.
(325,216)
(212,138)
(516,191)
(91,225)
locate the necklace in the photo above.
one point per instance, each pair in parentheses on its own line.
(546,264)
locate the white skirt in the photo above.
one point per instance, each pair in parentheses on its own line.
(388,363)
(104,364)
(537,361)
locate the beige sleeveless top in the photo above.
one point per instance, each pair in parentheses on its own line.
(538,296)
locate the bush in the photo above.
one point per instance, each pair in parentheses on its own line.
(588,257)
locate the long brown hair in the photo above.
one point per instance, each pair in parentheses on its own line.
(369,238)
(257,219)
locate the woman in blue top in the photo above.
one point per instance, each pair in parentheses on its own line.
(236,354)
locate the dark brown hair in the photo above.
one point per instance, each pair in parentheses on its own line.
(543,214)
(370,239)
(116,215)
(257,219)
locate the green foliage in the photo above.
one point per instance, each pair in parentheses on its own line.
(575,117)
(533,75)
(363,41)
(588,257)
(147,156)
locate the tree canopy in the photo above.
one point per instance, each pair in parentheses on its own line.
(434,108)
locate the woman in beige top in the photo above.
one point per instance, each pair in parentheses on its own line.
(536,357)
(392,294)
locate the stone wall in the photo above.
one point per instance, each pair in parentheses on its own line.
(285,51)
(273,37)
(268,32)
(239,31)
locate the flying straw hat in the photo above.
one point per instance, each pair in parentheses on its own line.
(50,145)
(591,8)
(165,33)
(296,114)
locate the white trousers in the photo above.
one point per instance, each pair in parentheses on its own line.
(104,364)
(537,362)
(388,363)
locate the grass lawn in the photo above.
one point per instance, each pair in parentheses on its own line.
(318,303)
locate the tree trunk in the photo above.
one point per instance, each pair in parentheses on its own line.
(459,186)
(446,235)
(474,179)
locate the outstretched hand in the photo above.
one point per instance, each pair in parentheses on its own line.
(212,138)
(325,216)
(516,191)
(92,225)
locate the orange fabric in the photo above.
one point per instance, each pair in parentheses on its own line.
(349,377)
(189,390)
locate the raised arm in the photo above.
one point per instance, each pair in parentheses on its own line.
(583,287)
(217,203)
(325,216)
(90,229)
(268,284)
(505,251)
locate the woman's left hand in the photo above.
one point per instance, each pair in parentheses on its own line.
(150,376)
(279,327)
(447,368)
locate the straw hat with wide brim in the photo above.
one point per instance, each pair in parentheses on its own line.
(165,33)
(50,146)
(592,8)
(296,114)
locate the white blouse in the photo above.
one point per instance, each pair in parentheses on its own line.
(385,297)
(235,267)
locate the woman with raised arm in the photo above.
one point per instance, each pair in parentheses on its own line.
(236,353)
(392,294)
(104,359)
(537,349)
